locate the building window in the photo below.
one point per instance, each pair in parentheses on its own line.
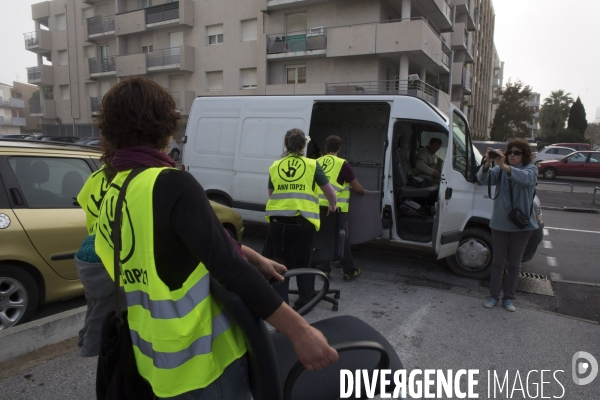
(295,23)
(145,3)
(214,81)
(296,74)
(147,49)
(62,57)
(61,22)
(249,78)
(215,34)
(249,30)
(65,94)
(104,51)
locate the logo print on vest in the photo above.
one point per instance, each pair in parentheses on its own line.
(106,230)
(328,163)
(93,206)
(291,169)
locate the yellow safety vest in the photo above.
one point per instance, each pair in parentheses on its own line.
(182,339)
(332,166)
(90,197)
(294,189)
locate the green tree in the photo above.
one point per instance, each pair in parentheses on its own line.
(554,112)
(35,95)
(513,113)
(592,133)
(577,120)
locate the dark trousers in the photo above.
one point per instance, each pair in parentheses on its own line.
(513,243)
(346,258)
(290,242)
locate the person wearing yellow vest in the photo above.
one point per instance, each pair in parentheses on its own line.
(185,346)
(342,178)
(293,212)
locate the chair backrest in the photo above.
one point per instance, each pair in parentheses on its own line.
(265,382)
(327,242)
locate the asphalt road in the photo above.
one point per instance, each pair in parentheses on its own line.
(583,185)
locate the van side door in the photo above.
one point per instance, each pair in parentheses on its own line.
(456,195)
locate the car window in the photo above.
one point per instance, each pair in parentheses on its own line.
(564,152)
(48,182)
(461,156)
(551,151)
(594,157)
(577,157)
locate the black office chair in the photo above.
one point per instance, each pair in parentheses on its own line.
(328,246)
(274,370)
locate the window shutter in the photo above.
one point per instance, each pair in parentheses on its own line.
(249,30)
(104,87)
(249,78)
(215,30)
(295,23)
(62,57)
(215,80)
(92,89)
(61,22)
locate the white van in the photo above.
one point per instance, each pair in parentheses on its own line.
(232,142)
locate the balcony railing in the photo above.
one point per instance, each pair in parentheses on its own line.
(95,104)
(13,121)
(446,53)
(34,74)
(100,24)
(164,57)
(162,13)
(31,39)
(102,64)
(312,39)
(416,88)
(35,107)
(177,98)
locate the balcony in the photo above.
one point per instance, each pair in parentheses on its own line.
(496,81)
(40,11)
(157,17)
(272,5)
(460,37)
(12,121)
(102,66)
(95,105)
(446,53)
(183,101)
(415,88)
(42,108)
(42,76)
(466,8)
(470,54)
(496,64)
(462,78)
(439,12)
(172,59)
(39,42)
(100,27)
(307,43)
(11,102)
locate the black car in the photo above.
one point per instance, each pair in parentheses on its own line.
(93,142)
(63,139)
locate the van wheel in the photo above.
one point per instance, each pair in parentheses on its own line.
(18,296)
(175,154)
(473,258)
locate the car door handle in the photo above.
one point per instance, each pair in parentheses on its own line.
(448,193)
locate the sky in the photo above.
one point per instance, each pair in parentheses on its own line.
(547,44)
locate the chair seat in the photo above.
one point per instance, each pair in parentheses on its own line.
(426,192)
(325,384)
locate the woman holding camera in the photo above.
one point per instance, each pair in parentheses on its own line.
(513,219)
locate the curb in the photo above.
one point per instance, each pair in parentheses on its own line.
(572,209)
(24,339)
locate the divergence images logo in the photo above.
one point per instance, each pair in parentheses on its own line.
(582,367)
(291,169)
(327,164)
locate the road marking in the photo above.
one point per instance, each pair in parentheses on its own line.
(573,230)
(547,244)
(555,277)
(546,232)
(551,261)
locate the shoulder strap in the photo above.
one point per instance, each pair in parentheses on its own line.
(512,206)
(497,186)
(116,239)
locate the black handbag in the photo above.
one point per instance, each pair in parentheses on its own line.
(517,216)
(117,376)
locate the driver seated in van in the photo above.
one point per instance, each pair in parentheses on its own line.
(428,163)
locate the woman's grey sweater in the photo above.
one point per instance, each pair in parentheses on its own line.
(523,180)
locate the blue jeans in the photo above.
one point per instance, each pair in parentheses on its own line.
(231,385)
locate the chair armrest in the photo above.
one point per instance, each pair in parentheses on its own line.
(298,368)
(322,293)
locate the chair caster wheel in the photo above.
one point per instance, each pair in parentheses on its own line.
(334,308)
(336,296)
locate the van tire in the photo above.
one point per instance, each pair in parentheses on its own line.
(23,290)
(475,246)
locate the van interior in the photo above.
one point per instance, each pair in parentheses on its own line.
(363,128)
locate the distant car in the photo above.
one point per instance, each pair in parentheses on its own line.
(63,139)
(553,153)
(15,136)
(93,142)
(576,146)
(174,150)
(582,164)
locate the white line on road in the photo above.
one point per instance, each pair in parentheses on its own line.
(547,244)
(551,261)
(546,232)
(573,230)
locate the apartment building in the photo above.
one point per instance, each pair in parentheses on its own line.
(12,109)
(497,83)
(245,47)
(534,104)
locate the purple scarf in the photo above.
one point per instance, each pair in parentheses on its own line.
(140,156)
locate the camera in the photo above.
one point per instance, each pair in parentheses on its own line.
(494,154)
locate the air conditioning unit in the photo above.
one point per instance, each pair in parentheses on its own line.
(318,31)
(413,77)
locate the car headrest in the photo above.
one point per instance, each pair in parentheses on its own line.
(71,184)
(39,172)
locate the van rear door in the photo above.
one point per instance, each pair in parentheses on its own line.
(455,201)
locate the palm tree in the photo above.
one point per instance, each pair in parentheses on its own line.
(555,111)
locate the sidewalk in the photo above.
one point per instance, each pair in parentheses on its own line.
(576,201)
(446,328)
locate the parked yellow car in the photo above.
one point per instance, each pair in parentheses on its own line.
(42,226)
